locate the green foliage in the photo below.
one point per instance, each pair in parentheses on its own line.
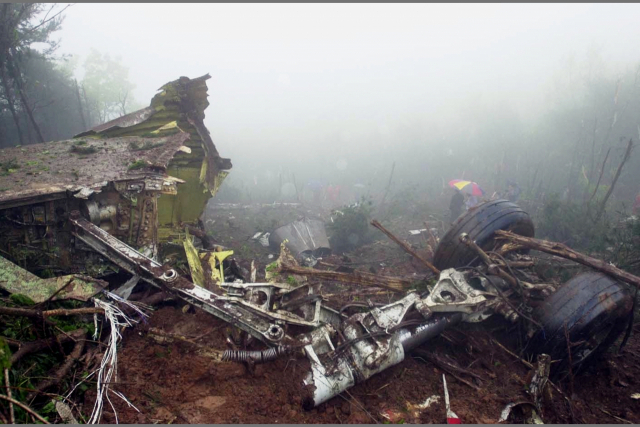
(20,299)
(272,268)
(350,227)
(49,408)
(138,164)
(5,354)
(31,369)
(9,165)
(160,134)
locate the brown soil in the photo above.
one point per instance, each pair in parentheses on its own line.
(172,384)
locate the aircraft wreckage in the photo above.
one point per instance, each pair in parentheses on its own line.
(123,192)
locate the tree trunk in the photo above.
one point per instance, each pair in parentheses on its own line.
(23,96)
(10,101)
(86,102)
(84,124)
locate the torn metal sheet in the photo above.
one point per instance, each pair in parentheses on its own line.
(125,290)
(180,103)
(264,240)
(195,266)
(303,238)
(540,379)
(16,280)
(417,232)
(217,273)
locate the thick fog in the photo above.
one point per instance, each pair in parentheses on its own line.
(340,92)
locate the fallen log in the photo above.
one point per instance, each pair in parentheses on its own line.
(564,251)
(394,284)
(405,247)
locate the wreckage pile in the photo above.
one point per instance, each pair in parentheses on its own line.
(116,243)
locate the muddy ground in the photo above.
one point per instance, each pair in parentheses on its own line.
(172,383)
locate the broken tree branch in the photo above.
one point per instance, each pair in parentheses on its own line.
(564,251)
(33,346)
(446,367)
(394,284)
(61,372)
(508,247)
(404,246)
(48,313)
(452,366)
(25,407)
(595,190)
(386,191)
(12,415)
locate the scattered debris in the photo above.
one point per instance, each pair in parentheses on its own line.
(264,240)
(417,409)
(539,380)
(452,418)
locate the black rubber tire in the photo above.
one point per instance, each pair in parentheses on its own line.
(480,224)
(595,309)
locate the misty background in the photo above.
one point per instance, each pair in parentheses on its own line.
(535,93)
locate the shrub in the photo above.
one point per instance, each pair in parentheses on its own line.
(350,227)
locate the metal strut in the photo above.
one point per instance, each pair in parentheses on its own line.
(257,323)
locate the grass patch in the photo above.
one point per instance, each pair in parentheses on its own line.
(138,164)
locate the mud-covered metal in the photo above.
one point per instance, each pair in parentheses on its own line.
(140,177)
(53,170)
(268,326)
(182,101)
(453,293)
